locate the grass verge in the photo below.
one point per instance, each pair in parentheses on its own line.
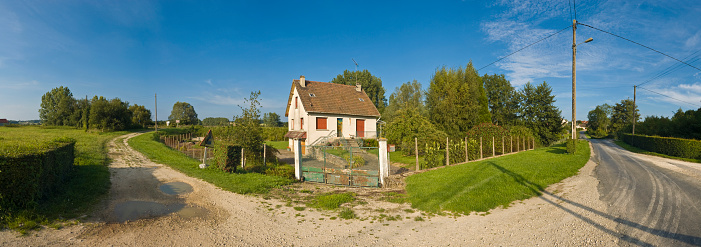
(484,185)
(87,185)
(628,147)
(279,145)
(408,162)
(242,183)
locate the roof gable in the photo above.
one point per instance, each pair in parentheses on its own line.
(324,97)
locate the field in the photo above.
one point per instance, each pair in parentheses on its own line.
(242,183)
(88,184)
(484,185)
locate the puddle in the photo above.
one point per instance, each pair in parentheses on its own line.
(192,212)
(176,188)
(134,210)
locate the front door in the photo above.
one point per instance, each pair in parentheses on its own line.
(339,127)
(360,128)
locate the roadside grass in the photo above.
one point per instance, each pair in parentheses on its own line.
(88,184)
(409,162)
(484,185)
(331,201)
(279,145)
(240,182)
(633,149)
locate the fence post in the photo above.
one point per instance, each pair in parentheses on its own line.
(493,153)
(524,144)
(264,153)
(533,140)
(243,159)
(447,151)
(517,144)
(502,144)
(384,161)
(480,147)
(296,147)
(466,149)
(511,143)
(416,152)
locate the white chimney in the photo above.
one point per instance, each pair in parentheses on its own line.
(357,88)
(302,82)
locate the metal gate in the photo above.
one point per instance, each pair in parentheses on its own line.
(339,165)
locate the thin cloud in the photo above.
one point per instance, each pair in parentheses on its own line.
(682,94)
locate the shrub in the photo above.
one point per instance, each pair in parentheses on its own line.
(677,147)
(284,171)
(227,157)
(370,143)
(571,146)
(29,174)
(434,157)
(274,133)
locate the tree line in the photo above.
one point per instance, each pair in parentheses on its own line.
(606,120)
(60,108)
(683,124)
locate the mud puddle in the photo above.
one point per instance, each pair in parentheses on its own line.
(136,210)
(176,188)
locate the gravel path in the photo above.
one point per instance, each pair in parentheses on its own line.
(569,214)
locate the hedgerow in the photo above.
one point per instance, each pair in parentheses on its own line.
(677,147)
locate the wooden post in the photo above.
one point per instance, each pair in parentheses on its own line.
(533,140)
(502,144)
(264,154)
(243,159)
(511,144)
(524,144)
(480,147)
(493,153)
(416,152)
(466,154)
(447,151)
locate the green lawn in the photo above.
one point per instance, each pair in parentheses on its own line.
(279,145)
(242,183)
(88,184)
(484,185)
(408,162)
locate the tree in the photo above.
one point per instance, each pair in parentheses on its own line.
(539,113)
(57,106)
(140,115)
(271,119)
(247,130)
(456,100)
(371,84)
(623,115)
(503,100)
(215,121)
(109,115)
(184,112)
(409,124)
(407,96)
(599,121)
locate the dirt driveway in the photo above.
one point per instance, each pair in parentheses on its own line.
(569,214)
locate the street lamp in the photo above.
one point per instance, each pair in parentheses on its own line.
(574,77)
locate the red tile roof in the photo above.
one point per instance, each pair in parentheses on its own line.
(3,120)
(332,98)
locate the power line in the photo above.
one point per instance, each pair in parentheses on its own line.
(672,68)
(570,9)
(540,40)
(639,44)
(669,96)
(575,9)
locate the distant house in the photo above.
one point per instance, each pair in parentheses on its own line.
(319,111)
(4,122)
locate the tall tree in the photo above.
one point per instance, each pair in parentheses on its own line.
(109,114)
(140,115)
(599,121)
(247,130)
(272,119)
(503,99)
(407,96)
(456,100)
(184,112)
(57,106)
(371,84)
(540,114)
(623,115)
(215,121)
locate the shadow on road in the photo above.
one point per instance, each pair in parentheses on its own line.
(693,240)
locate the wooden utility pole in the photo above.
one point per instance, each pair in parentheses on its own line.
(634,117)
(155,99)
(574,79)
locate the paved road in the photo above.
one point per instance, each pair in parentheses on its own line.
(654,201)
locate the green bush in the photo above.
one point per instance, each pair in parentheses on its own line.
(571,146)
(370,143)
(285,171)
(434,157)
(274,133)
(227,157)
(29,174)
(677,147)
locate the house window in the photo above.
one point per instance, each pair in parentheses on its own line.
(321,123)
(292,126)
(295,102)
(301,123)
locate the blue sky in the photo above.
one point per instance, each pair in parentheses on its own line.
(213,54)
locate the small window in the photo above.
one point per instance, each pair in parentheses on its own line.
(361,100)
(301,123)
(321,123)
(312,95)
(295,102)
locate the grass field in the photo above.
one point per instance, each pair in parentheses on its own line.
(408,162)
(88,184)
(242,183)
(484,185)
(279,145)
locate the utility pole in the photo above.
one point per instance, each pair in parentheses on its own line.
(634,107)
(574,79)
(155,99)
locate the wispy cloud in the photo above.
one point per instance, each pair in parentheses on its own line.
(20,85)
(209,81)
(682,94)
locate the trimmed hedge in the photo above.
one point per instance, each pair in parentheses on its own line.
(29,174)
(677,147)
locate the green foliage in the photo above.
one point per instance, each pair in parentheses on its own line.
(484,185)
(274,133)
(271,119)
(677,147)
(140,115)
(109,115)
(410,124)
(456,100)
(623,115)
(503,99)
(285,171)
(405,97)
(247,131)
(184,112)
(227,157)
(347,214)
(370,143)
(681,125)
(331,201)
(571,146)
(215,121)
(599,121)
(358,160)
(540,114)
(57,106)
(487,131)
(371,84)
(434,156)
